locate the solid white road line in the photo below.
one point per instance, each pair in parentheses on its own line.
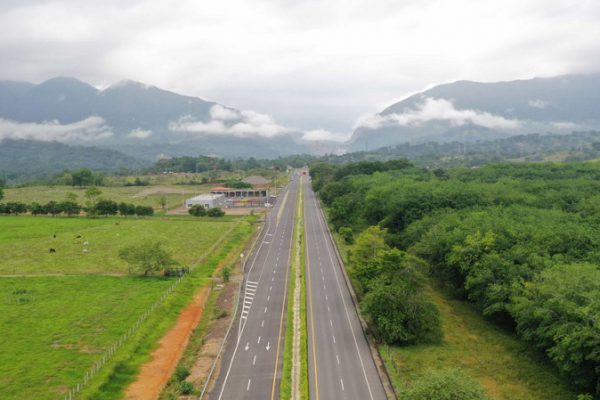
(248,385)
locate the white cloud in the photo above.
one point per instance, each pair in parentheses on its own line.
(565,126)
(439,110)
(325,135)
(140,133)
(309,63)
(89,129)
(223,113)
(247,124)
(540,104)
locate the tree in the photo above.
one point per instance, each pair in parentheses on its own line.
(69,207)
(126,209)
(197,210)
(163,202)
(146,257)
(82,177)
(70,196)
(52,208)
(1,193)
(36,209)
(346,234)
(106,207)
(144,210)
(215,212)
(16,207)
(92,194)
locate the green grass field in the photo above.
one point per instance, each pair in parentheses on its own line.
(138,195)
(58,315)
(25,242)
(505,366)
(55,327)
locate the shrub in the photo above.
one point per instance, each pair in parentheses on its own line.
(226,272)
(444,385)
(215,212)
(197,210)
(181,373)
(186,387)
(346,234)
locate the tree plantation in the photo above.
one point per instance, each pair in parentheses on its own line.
(519,241)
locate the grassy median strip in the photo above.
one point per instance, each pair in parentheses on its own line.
(286,389)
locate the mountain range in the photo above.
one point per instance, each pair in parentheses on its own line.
(146,122)
(472,111)
(139,120)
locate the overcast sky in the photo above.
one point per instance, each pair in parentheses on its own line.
(313,65)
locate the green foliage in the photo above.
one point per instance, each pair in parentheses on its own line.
(105,207)
(346,234)
(215,212)
(144,210)
(186,388)
(225,273)
(126,209)
(444,385)
(557,312)
(146,257)
(197,210)
(181,373)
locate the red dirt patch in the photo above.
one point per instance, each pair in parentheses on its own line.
(156,373)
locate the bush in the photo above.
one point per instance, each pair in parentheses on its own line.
(226,272)
(186,387)
(444,385)
(215,212)
(346,234)
(144,210)
(181,373)
(197,210)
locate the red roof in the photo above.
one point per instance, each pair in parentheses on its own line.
(220,189)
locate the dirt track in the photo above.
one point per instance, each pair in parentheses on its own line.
(155,374)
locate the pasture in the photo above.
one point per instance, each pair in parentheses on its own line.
(25,242)
(59,312)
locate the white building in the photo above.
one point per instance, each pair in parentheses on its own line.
(206,200)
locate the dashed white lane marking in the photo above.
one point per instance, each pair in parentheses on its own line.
(326,298)
(333,338)
(265,309)
(268,298)
(258,341)
(331,323)
(273,279)
(342,382)
(254,360)
(270,288)
(328,309)
(248,385)
(247,346)
(262,323)
(336,356)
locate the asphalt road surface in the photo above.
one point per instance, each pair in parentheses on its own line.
(251,367)
(340,362)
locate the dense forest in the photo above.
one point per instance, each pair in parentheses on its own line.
(520,241)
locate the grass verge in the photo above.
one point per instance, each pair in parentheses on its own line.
(506,367)
(285,390)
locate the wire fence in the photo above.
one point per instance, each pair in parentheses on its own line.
(108,354)
(76,390)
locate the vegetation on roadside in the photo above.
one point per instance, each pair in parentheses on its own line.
(501,236)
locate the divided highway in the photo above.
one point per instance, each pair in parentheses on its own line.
(251,366)
(340,362)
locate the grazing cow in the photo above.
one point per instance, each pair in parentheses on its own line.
(52,250)
(54,236)
(86,243)
(78,237)
(85,250)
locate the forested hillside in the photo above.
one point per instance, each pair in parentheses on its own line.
(520,241)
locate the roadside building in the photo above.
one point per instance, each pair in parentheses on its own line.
(211,200)
(242,197)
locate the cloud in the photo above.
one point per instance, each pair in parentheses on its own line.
(223,113)
(565,126)
(541,104)
(140,133)
(439,110)
(246,124)
(89,129)
(325,135)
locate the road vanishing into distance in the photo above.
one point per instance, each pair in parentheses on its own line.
(340,362)
(251,366)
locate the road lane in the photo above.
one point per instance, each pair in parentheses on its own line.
(251,366)
(340,361)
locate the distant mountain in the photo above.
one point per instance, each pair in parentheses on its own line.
(21,160)
(471,111)
(141,120)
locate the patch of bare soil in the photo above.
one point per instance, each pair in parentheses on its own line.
(155,374)
(215,334)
